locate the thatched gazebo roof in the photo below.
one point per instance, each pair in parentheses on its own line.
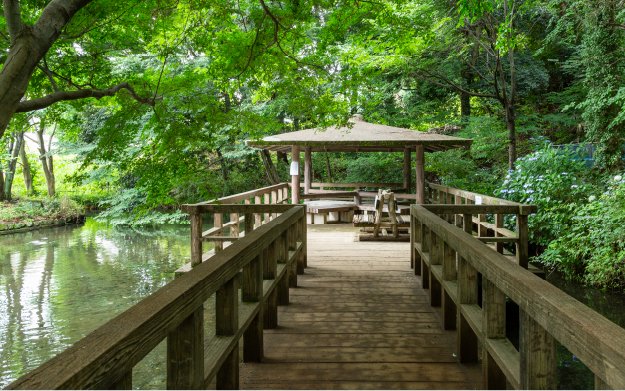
(361,137)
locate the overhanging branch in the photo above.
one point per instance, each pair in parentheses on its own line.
(13,17)
(48,100)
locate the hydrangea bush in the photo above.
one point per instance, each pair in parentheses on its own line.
(555,180)
(593,247)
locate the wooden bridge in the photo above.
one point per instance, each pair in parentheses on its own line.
(299,306)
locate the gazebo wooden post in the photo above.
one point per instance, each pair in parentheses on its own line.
(407,160)
(420,176)
(307,169)
(295,178)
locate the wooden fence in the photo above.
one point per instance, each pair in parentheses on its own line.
(249,279)
(484,206)
(455,262)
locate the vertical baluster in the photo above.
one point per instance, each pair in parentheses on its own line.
(493,326)
(436,258)
(274,200)
(269,273)
(234,225)
(538,355)
(267,201)
(304,239)
(522,251)
(499,219)
(282,253)
(425,248)
(467,294)
(449,274)
(227,323)
(196,238)
(292,236)
(218,222)
(185,353)
(124,382)
(458,217)
(257,217)
(252,291)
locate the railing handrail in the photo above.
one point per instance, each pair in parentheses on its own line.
(486,199)
(106,355)
(595,340)
(248,194)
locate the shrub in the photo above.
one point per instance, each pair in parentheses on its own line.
(594,245)
(557,181)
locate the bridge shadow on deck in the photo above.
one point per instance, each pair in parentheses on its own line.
(358,320)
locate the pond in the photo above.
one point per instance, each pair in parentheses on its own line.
(59,284)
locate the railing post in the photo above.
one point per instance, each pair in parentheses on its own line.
(436,258)
(449,274)
(467,294)
(258,216)
(282,254)
(270,317)
(499,221)
(303,237)
(267,201)
(292,235)
(124,382)
(248,221)
(493,326)
(185,353)
(252,291)
(417,238)
(522,251)
(218,222)
(425,248)
(274,200)
(196,238)
(227,323)
(234,225)
(538,355)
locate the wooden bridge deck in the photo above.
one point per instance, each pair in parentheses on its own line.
(358,320)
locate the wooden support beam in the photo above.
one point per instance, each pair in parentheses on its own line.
(538,355)
(185,354)
(407,176)
(196,239)
(493,326)
(307,169)
(522,251)
(227,323)
(295,181)
(420,174)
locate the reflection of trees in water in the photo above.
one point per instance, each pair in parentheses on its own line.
(79,279)
(13,352)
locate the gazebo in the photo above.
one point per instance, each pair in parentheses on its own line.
(361,136)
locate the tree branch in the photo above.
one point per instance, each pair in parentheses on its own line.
(446,83)
(13,17)
(48,100)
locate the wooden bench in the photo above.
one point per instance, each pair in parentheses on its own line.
(329,211)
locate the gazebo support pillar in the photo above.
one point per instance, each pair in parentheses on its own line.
(295,178)
(307,169)
(407,161)
(420,175)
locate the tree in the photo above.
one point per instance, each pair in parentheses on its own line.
(28,45)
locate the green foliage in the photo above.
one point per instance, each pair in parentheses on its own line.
(593,246)
(29,211)
(375,167)
(555,180)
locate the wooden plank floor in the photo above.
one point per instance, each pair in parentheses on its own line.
(358,320)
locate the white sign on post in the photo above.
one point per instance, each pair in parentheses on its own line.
(294,168)
(478,200)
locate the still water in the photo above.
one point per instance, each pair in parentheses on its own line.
(59,284)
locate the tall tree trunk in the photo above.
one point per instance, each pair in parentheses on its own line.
(28,176)
(47,161)
(328,168)
(1,183)
(511,126)
(14,150)
(28,46)
(270,168)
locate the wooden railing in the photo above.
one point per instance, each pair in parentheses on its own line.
(223,231)
(487,217)
(249,279)
(456,262)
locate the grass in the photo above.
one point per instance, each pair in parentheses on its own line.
(28,212)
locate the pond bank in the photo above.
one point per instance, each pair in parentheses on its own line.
(8,229)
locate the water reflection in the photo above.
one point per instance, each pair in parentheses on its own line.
(58,284)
